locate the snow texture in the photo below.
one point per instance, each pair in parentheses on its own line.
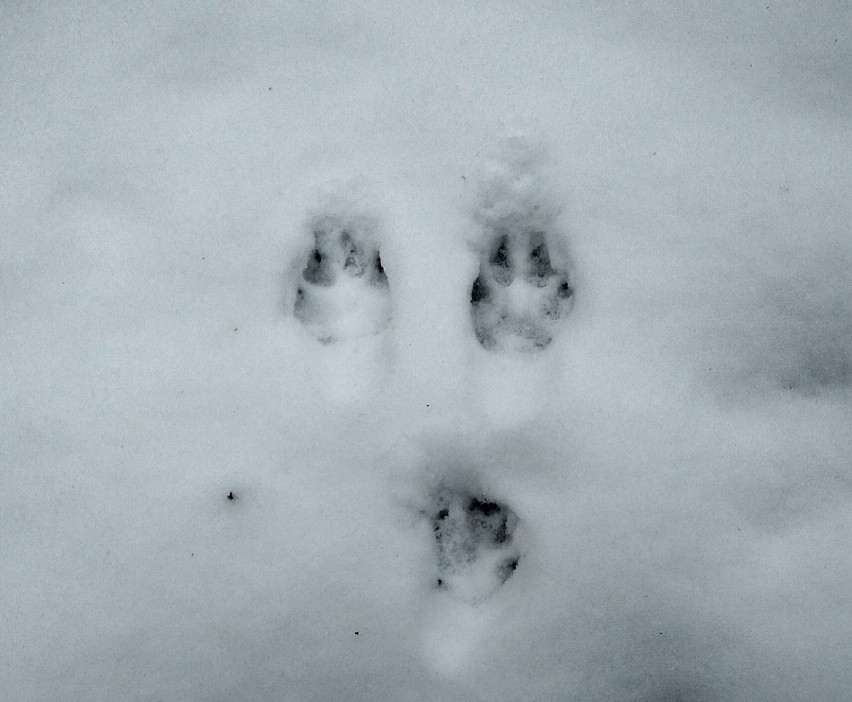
(218,488)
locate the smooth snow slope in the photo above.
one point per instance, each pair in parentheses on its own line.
(675,465)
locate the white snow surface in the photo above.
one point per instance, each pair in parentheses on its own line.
(678,459)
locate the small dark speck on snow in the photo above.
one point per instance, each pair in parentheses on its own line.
(232,496)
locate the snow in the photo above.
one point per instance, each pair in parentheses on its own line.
(676,461)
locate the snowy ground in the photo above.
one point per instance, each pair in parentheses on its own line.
(644,496)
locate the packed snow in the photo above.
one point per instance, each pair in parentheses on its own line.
(445,351)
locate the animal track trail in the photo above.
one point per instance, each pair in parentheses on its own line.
(343,291)
(520,294)
(474,539)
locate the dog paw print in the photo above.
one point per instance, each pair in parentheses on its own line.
(475,548)
(521,293)
(343,290)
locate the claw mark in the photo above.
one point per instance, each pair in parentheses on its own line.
(540,268)
(317,271)
(564,290)
(501,267)
(354,265)
(381,278)
(479,291)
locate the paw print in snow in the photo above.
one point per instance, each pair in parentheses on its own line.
(519,295)
(475,550)
(343,292)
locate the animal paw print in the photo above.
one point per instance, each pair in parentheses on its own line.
(343,292)
(520,294)
(474,537)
